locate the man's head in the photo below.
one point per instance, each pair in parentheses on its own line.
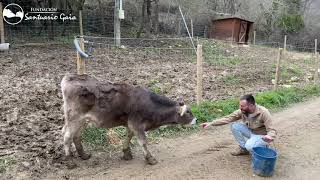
(247,104)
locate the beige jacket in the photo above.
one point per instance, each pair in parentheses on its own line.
(260,122)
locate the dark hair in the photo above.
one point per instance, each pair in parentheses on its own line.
(249,98)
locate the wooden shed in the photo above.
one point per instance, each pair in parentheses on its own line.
(231,29)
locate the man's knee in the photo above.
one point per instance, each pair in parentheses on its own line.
(254,142)
(237,126)
(249,145)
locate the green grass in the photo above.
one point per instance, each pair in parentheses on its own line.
(6,162)
(308,61)
(231,79)
(214,53)
(289,70)
(209,110)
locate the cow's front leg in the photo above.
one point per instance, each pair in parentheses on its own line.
(143,143)
(127,155)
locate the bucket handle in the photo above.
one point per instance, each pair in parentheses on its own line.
(274,145)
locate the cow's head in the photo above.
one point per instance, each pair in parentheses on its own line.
(185,115)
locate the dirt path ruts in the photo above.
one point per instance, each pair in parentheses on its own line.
(205,155)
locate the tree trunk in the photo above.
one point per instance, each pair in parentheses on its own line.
(142,18)
(67,23)
(156,17)
(148,24)
(102,17)
(178,24)
(50,32)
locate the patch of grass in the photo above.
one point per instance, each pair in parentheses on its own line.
(214,54)
(94,136)
(209,110)
(97,138)
(6,162)
(308,60)
(65,39)
(170,131)
(289,70)
(159,88)
(231,79)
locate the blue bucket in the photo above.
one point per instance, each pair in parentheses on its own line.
(263,160)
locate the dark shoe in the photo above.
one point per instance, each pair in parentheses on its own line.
(240,152)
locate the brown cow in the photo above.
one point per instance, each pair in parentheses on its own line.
(109,105)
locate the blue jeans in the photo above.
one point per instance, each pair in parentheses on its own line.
(245,137)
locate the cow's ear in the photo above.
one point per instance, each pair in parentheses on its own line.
(181,101)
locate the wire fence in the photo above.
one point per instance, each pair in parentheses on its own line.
(167,63)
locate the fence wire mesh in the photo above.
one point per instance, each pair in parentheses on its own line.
(166,63)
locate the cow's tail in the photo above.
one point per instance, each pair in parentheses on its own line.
(64,83)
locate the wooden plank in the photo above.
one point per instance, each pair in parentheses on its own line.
(199,74)
(80,62)
(317,69)
(277,75)
(1,25)
(285,43)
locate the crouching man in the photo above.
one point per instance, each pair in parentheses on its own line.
(255,129)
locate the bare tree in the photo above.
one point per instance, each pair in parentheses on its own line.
(156,17)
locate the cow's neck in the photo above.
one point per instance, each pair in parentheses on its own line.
(168,116)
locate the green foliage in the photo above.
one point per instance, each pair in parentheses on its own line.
(209,110)
(289,70)
(231,79)
(291,23)
(214,53)
(6,162)
(94,136)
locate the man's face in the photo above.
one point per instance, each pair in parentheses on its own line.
(246,107)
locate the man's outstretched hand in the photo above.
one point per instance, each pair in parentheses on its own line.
(267,138)
(205,125)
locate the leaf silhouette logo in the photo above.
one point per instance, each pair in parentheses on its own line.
(13,14)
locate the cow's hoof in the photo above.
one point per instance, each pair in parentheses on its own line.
(127,155)
(85,156)
(67,158)
(71,165)
(151,160)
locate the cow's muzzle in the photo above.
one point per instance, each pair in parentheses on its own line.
(194,121)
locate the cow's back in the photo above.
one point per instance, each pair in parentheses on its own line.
(79,92)
(85,93)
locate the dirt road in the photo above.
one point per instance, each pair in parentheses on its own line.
(205,155)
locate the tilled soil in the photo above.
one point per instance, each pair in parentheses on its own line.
(31,117)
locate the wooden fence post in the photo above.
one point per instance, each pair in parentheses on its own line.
(254,37)
(1,25)
(277,75)
(199,74)
(191,26)
(285,43)
(315,46)
(317,69)
(80,62)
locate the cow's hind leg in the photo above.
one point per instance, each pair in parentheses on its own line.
(77,141)
(143,143)
(127,155)
(139,132)
(67,140)
(72,133)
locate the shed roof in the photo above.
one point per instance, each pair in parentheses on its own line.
(231,17)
